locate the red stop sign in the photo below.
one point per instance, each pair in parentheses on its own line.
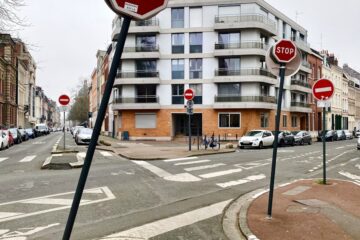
(284,51)
(64,100)
(323,89)
(137,9)
(189,94)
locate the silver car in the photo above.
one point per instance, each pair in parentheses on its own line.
(83,136)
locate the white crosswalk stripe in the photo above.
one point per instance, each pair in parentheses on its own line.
(105,154)
(241,181)
(3,159)
(28,158)
(180,159)
(204,167)
(193,162)
(220,173)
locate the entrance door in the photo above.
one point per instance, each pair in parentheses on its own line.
(181,121)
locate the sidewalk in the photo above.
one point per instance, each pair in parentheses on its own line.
(303,209)
(154,150)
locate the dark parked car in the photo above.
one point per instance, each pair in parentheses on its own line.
(341,135)
(30,132)
(285,138)
(330,135)
(16,135)
(302,137)
(24,135)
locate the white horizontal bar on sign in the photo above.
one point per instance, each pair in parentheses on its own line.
(324,89)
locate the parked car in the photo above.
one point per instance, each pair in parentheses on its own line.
(30,133)
(285,138)
(16,135)
(358,144)
(11,139)
(24,135)
(257,138)
(331,135)
(341,135)
(357,133)
(302,137)
(4,140)
(348,134)
(83,136)
(76,129)
(41,129)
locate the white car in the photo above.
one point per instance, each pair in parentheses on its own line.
(358,144)
(257,138)
(4,140)
(357,133)
(348,134)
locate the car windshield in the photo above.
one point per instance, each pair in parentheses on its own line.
(298,133)
(328,133)
(254,134)
(41,127)
(13,130)
(86,131)
(29,130)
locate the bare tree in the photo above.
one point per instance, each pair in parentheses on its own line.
(9,18)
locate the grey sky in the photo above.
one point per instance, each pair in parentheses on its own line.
(68,33)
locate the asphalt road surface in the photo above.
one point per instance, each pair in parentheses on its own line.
(169,199)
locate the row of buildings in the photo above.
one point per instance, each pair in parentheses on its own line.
(22,102)
(218,50)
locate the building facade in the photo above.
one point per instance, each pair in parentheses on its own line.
(218,51)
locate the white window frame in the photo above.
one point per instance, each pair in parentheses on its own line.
(229,113)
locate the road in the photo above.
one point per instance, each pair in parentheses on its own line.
(169,199)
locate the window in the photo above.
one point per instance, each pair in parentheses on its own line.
(177,40)
(229,89)
(198,93)
(196,41)
(284,121)
(264,120)
(229,11)
(264,90)
(229,120)
(195,68)
(177,17)
(146,93)
(196,17)
(226,39)
(145,120)
(146,68)
(229,63)
(177,91)
(145,43)
(284,30)
(293,121)
(177,68)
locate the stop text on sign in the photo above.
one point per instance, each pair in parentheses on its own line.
(284,50)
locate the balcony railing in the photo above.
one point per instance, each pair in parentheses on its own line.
(142,48)
(137,99)
(243,72)
(234,98)
(246,18)
(300,104)
(301,42)
(138,74)
(145,23)
(300,83)
(306,64)
(244,45)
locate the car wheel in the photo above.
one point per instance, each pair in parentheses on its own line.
(242,147)
(301,142)
(2,147)
(293,143)
(282,143)
(310,142)
(261,146)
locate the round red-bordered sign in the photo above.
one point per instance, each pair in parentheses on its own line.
(189,94)
(64,100)
(323,89)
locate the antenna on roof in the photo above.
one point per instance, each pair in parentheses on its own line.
(297,14)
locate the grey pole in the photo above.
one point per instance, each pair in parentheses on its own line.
(97,128)
(189,131)
(277,126)
(324,148)
(64,129)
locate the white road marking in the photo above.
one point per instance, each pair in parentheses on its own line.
(340,147)
(204,167)
(53,201)
(3,159)
(180,159)
(349,175)
(105,154)
(220,173)
(241,181)
(8,214)
(182,177)
(358,166)
(169,224)
(193,162)
(28,158)
(19,235)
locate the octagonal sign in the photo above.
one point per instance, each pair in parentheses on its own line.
(137,9)
(284,51)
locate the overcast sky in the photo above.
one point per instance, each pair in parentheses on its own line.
(65,35)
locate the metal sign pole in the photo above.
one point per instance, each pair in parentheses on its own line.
(189,130)
(64,128)
(324,147)
(277,126)
(97,127)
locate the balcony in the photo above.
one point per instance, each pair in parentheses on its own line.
(141,26)
(137,77)
(246,21)
(137,103)
(245,75)
(141,52)
(302,44)
(305,67)
(300,86)
(300,107)
(239,49)
(247,102)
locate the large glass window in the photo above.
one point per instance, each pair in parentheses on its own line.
(177,40)
(177,68)
(264,120)
(177,91)
(229,38)
(284,121)
(229,120)
(146,68)
(146,93)
(195,68)
(177,17)
(196,42)
(145,43)
(293,121)
(229,89)
(264,90)
(198,92)
(229,63)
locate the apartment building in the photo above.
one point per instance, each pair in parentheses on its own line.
(218,49)
(354,94)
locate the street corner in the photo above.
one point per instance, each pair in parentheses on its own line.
(63,161)
(322,211)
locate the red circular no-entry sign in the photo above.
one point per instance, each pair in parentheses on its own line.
(323,89)
(64,100)
(137,9)
(284,51)
(189,94)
